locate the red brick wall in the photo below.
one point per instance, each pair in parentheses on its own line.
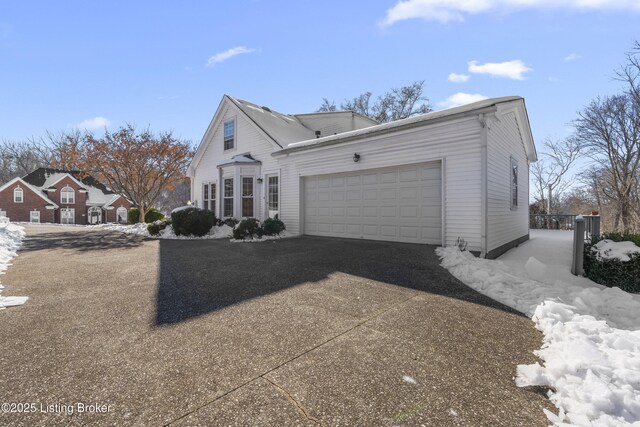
(111,214)
(31,201)
(80,204)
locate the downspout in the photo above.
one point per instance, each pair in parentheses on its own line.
(484,205)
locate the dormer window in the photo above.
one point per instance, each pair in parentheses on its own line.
(18,195)
(67,196)
(229,134)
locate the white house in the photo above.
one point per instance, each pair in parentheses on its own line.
(457,173)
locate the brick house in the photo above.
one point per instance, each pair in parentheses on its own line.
(63,197)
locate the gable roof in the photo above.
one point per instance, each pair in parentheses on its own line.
(35,190)
(278,128)
(488,105)
(44,178)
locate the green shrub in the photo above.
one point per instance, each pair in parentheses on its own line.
(152,216)
(273,226)
(248,227)
(156,227)
(192,221)
(613,272)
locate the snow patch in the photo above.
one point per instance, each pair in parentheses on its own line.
(141,230)
(408,379)
(591,349)
(11,237)
(608,249)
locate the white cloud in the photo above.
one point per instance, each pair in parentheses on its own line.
(572,57)
(458,78)
(455,10)
(223,56)
(461,98)
(93,124)
(510,69)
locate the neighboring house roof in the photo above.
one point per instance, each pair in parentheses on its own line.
(473,108)
(45,179)
(37,191)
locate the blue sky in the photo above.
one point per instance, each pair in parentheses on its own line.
(167,64)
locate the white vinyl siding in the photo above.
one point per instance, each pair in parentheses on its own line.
(505,222)
(457,142)
(249,139)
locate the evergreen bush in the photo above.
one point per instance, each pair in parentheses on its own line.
(613,272)
(192,221)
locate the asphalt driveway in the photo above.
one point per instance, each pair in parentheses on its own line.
(120,330)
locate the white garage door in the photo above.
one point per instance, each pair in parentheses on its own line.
(401,204)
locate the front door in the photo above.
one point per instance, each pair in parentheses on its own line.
(95,215)
(34,216)
(67,216)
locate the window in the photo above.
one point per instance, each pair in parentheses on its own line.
(121,215)
(205,196)
(228,197)
(67,196)
(229,134)
(272,194)
(212,199)
(67,216)
(18,195)
(34,216)
(514,183)
(247,196)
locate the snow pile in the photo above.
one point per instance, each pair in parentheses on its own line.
(141,229)
(261,239)
(11,236)
(608,249)
(591,348)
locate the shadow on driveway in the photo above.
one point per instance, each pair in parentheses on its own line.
(198,277)
(80,240)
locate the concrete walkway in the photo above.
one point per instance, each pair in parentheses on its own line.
(305,331)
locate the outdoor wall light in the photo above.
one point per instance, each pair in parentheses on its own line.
(356,157)
(259,180)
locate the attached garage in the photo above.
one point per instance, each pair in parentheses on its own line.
(402,203)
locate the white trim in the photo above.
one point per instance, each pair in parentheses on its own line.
(73,215)
(15,193)
(30,187)
(31,216)
(235,135)
(66,190)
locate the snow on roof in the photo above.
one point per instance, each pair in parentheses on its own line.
(327,140)
(283,129)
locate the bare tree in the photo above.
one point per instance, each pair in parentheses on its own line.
(327,106)
(141,165)
(18,158)
(610,129)
(398,103)
(550,171)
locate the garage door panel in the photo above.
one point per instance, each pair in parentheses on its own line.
(397,204)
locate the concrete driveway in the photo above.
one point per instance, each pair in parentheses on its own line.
(304,331)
